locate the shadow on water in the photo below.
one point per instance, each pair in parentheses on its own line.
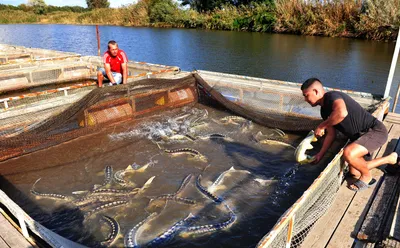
(65,216)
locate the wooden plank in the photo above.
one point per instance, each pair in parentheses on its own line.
(374,222)
(3,243)
(11,236)
(371,228)
(358,208)
(353,217)
(326,226)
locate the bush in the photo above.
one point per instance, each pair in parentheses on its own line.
(162,11)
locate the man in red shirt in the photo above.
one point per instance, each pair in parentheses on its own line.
(115,65)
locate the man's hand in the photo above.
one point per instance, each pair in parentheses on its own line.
(318,158)
(319,131)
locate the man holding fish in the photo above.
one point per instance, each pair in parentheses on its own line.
(366,133)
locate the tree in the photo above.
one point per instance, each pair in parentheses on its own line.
(39,6)
(162,10)
(206,5)
(96,4)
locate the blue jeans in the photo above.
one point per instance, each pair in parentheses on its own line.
(117,76)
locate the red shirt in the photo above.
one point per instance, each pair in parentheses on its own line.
(115,62)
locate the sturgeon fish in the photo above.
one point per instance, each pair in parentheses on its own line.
(223,175)
(91,199)
(210,227)
(114,230)
(174,196)
(130,238)
(300,152)
(48,195)
(172,231)
(208,194)
(264,139)
(106,206)
(119,178)
(232,118)
(189,151)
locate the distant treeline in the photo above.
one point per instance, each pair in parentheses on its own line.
(367,19)
(48,8)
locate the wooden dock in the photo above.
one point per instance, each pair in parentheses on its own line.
(368,218)
(10,237)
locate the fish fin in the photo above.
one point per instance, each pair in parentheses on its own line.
(309,146)
(147,184)
(232,169)
(143,168)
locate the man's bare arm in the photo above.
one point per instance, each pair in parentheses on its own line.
(124,72)
(339,112)
(107,67)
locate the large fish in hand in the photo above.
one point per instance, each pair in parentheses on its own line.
(300,153)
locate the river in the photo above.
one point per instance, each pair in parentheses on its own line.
(338,62)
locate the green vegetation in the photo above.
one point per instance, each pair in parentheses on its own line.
(369,19)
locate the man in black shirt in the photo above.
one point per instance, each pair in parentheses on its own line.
(366,133)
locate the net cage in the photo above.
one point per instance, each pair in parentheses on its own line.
(35,121)
(14,55)
(22,68)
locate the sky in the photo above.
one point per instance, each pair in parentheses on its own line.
(113,3)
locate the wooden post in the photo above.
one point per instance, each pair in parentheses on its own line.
(392,67)
(290,232)
(396,98)
(98,40)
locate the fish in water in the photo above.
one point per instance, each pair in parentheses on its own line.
(264,139)
(130,239)
(48,195)
(193,230)
(203,190)
(280,132)
(233,119)
(300,152)
(172,231)
(105,206)
(275,141)
(115,192)
(114,230)
(246,126)
(214,136)
(224,174)
(119,178)
(139,168)
(92,199)
(177,137)
(108,172)
(189,151)
(174,196)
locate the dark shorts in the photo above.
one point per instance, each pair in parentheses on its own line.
(374,138)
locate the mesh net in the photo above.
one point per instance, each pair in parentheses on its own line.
(269,108)
(318,201)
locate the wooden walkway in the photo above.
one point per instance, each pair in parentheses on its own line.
(10,237)
(363,219)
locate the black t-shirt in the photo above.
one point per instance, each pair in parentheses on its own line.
(356,122)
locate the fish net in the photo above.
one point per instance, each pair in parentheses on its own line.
(41,121)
